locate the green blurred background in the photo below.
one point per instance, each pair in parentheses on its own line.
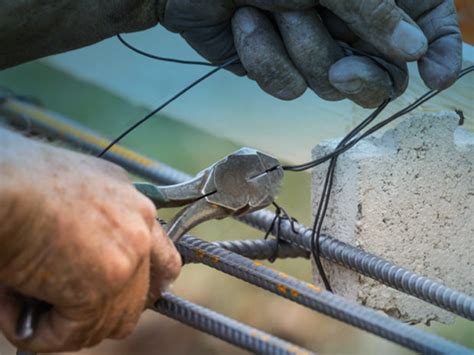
(191,150)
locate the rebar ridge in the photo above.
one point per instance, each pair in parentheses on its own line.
(261,249)
(55,126)
(38,120)
(225,328)
(370,265)
(313,297)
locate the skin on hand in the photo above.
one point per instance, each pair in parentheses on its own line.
(76,234)
(286,46)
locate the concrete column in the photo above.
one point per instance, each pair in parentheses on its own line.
(407,196)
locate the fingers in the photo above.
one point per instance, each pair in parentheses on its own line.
(264,56)
(278,5)
(53,332)
(84,323)
(9,314)
(216,44)
(321,61)
(361,80)
(440,66)
(383,24)
(205,27)
(165,264)
(311,48)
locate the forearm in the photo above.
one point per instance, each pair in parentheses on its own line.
(30,29)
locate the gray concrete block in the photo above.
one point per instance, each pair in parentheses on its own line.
(407,196)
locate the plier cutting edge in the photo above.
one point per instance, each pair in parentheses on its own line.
(244,181)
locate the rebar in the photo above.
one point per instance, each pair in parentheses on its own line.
(370,265)
(52,125)
(225,328)
(311,296)
(261,249)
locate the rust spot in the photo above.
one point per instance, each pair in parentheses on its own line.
(215,259)
(257,263)
(294,293)
(313,287)
(200,253)
(292,349)
(282,274)
(282,289)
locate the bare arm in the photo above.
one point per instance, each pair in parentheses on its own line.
(31,29)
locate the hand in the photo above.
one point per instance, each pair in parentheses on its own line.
(76,234)
(287,46)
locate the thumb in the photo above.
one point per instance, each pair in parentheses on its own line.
(165,263)
(278,5)
(383,24)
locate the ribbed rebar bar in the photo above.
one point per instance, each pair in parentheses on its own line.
(263,249)
(308,295)
(370,265)
(225,328)
(33,118)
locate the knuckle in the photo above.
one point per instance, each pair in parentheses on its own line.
(119,270)
(140,241)
(148,210)
(172,263)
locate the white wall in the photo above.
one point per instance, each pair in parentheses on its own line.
(225,105)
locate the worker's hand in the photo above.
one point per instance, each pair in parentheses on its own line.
(76,234)
(285,46)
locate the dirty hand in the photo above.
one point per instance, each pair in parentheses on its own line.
(76,234)
(287,46)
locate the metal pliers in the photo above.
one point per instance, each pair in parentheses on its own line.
(244,181)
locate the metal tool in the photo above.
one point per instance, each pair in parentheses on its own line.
(243,182)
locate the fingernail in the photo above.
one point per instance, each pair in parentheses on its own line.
(410,40)
(349,87)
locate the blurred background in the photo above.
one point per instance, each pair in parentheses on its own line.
(107,87)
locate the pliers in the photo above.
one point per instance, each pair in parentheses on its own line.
(244,181)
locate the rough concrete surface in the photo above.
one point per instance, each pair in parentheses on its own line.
(407,196)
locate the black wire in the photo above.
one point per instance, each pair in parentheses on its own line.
(421,100)
(175,97)
(163,59)
(325,195)
(347,142)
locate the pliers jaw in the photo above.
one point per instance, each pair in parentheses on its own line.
(242,182)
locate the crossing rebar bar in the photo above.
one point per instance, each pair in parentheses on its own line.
(52,125)
(311,296)
(263,249)
(370,265)
(225,328)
